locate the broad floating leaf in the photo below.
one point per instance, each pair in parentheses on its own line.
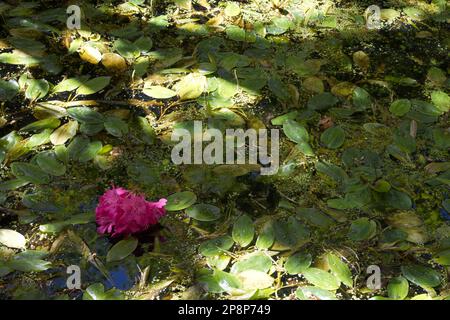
(180,201)
(76,146)
(28,264)
(216,246)
(253,261)
(69,84)
(266,237)
(322,101)
(159,92)
(362,229)
(64,133)
(398,288)
(97,291)
(29,172)
(279,26)
(361,59)
(36,89)
(94,85)
(12,239)
(114,62)
(204,212)
(144,130)
(295,131)
(39,138)
(8,89)
(361,99)
(235,33)
(49,163)
(314,293)
(232,9)
(122,249)
(144,44)
(85,114)
(116,127)
(49,123)
(443,257)
(243,231)
(339,269)
(400,107)
(227,281)
(298,263)
(254,279)
(441,100)
(89,151)
(90,54)
(333,137)
(321,279)
(191,86)
(422,276)
(290,234)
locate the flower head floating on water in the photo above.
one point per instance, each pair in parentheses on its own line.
(121,212)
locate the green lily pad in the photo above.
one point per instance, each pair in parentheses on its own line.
(400,107)
(298,263)
(97,291)
(322,101)
(398,288)
(159,92)
(29,172)
(232,9)
(12,239)
(85,114)
(235,33)
(227,281)
(49,123)
(243,231)
(254,279)
(122,249)
(180,201)
(333,137)
(93,86)
(362,229)
(69,84)
(254,261)
(422,276)
(64,133)
(441,100)
(49,163)
(289,234)
(8,89)
(314,293)
(115,126)
(204,212)
(216,246)
(126,48)
(295,131)
(37,89)
(443,257)
(90,151)
(266,237)
(340,269)
(321,279)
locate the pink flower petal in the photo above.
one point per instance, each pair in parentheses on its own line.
(121,212)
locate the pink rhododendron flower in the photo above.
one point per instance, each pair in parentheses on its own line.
(121,212)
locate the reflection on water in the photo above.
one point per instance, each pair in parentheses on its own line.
(122,277)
